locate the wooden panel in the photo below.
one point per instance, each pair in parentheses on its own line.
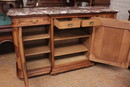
(90,22)
(16,45)
(36,37)
(37,72)
(108,22)
(108,15)
(34,21)
(69,62)
(62,24)
(70,49)
(71,66)
(40,71)
(70,59)
(129,51)
(22,57)
(70,34)
(36,50)
(129,58)
(110,46)
(36,64)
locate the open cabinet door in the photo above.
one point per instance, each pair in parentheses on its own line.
(111,42)
(23,61)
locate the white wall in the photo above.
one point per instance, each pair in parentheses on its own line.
(123,6)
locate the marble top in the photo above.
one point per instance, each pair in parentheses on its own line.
(57,10)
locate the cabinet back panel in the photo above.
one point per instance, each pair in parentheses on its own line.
(36,43)
(66,42)
(35,30)
(37,57)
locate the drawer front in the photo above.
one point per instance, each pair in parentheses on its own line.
(67,24)
(90,22)
(107,15)
(34,21)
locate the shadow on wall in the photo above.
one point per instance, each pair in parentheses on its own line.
(6,47)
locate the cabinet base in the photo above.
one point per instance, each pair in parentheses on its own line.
(33,73)
(72,66)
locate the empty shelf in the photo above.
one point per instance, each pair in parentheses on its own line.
(70,60)
(37,64)
(36,37)
(70,49)
(70,34)
(36,50)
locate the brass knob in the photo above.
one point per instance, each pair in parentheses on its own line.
(91,23)
(70,25)
(34,21)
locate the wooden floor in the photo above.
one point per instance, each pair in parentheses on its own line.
(96,76)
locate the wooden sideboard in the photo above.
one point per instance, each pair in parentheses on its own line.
(59,43)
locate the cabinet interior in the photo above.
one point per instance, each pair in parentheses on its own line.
(35,33)
(36,40)
(71,45)
(38,61)
(70,58)
(71,33)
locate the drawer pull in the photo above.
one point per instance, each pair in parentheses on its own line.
(70,25)
(91,23)
(34,21)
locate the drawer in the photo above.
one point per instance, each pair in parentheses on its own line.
(67,23)
(34,21)
(90,22)
(107,15)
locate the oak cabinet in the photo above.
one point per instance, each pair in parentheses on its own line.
(42,48)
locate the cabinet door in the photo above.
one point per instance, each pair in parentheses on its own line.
(111,42)
(129,57)
(22,57)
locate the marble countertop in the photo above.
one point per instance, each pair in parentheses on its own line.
(57,10)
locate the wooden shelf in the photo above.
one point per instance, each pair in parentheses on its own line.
(70,63)
(36,50)
(70,34)
(37,64)
(70,60)
(70,49)
(36,37)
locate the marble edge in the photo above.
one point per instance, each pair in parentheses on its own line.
(58,10)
